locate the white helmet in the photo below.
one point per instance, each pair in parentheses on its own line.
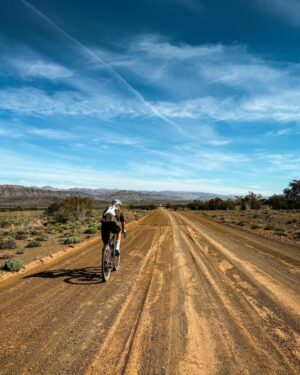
(116,202)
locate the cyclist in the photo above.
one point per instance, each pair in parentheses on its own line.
(111,215)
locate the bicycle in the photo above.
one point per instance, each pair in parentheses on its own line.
(110,261)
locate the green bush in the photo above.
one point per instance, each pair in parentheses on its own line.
(13,265)
(21,235)
(7,243)
(19,251)
(91,230)
(269,227)
(279,231)
(34,243)
(241,223)
(71,240)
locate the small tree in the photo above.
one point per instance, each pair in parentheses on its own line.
(278,202)
(251,201)
(293,191)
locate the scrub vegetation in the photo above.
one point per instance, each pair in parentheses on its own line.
(277,216)
(34,234)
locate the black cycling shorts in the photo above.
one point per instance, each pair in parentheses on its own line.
(107,228)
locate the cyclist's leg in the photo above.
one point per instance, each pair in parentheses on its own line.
(105,234)
(117,232)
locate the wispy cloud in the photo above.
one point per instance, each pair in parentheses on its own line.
(26,170)
(282,161)
(27,64)
(50,133)
(283,107)
(289,10)
(95,57)
(191,83)
(41,69)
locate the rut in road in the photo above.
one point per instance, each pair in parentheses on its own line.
(191,297)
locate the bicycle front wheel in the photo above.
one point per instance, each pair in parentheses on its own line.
(106,263)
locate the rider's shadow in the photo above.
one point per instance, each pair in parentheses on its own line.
(79,276)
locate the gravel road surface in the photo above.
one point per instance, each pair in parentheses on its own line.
(191,297)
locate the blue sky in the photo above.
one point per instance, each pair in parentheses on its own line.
(150,95)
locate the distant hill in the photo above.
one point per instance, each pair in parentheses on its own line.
(14,195)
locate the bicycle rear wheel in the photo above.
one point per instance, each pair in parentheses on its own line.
(106,262)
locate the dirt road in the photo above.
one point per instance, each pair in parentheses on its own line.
(192,297)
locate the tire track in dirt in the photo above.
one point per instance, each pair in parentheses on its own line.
(272,335)
(66,314)
(140,340)
(117,344)
(190,298)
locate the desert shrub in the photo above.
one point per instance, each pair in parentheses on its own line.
(279,231)
(226,220)
(212,204)
(269,227)
(21,235)
(91,230)
(241,223)
(65,226)
(51,230)
(71,240)
(280,234)
(148,207)
(7,243)
(13,265)
(292,221)
(19,251)
(256,226)
(5,223)
(34,243)
(68,209)
(36,232)
(43,237)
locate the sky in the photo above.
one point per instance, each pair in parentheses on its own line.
(186,95)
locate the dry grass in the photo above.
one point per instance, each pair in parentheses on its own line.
(272,223)
(35,236)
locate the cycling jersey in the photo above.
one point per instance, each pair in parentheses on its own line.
(112,213)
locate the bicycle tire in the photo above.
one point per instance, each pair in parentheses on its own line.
(117,260)
(106,263)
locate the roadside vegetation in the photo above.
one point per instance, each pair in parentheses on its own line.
(277,216)
(34,234)
(31,235)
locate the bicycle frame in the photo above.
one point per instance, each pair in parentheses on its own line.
(110,261)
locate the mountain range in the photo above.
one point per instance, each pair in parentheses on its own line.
(18,194)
